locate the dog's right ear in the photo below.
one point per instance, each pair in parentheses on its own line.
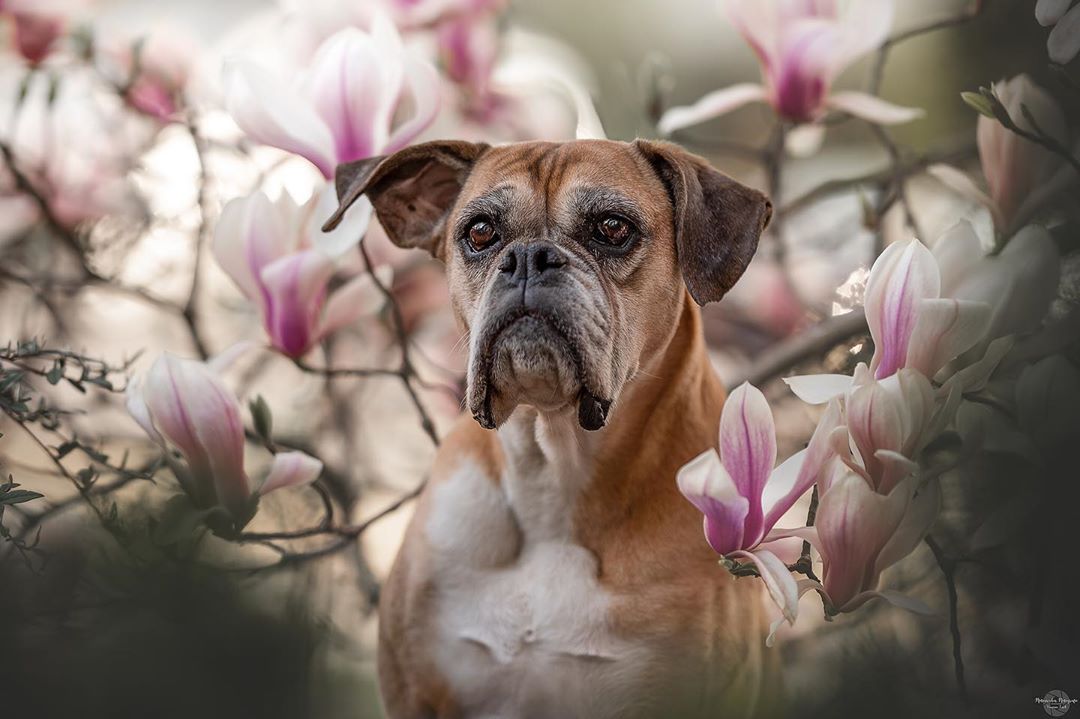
(412,190)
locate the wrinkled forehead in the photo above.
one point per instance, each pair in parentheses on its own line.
(553,179)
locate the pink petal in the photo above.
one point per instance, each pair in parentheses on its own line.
(873,109)
(778,580)
(136,407)
(866,24)
(748,448)
(356,298)
(707,485)
(196,412)
(797,85)
(890,414)
(944,329)
(904,274)
(794,477)
(803,586)
(247,237)
(1064,41)
(854,523)
(347,85)
(712,105)
(922,510)
(265,109)
(901,601)
(291,469)
(296,287)
(818,388)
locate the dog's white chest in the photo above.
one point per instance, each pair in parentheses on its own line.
(522,624)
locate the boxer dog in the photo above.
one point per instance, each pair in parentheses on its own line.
(552,569)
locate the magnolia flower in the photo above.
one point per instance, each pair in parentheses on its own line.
(38,24)
(75,150)
(802,46)
(345,106)
(182,404)
(861,532)
(1018,283)
(469,47)
(153,69)
(278,256)
(1064,41)
(1021,176)
(740,494)
(911,324)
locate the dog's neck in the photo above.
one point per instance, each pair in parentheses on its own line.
(552,464)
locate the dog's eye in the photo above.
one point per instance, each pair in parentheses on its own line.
(614,230)
(481,234)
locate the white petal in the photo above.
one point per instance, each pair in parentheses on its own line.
(1064,40)
(356,298)
(778,580)
(348,233)
(1048,12)
(712,105)
(961,183)
(263,107)
(291,469)
(423,83)
(944,329)
(805,140)
(873,109)
(818,388)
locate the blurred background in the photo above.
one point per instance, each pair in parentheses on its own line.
(101,616)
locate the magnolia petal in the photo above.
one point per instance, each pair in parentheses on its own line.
(873,109)
(714,104)
(707,485)
(893,597)
(807,534)
(291,469)
(1064,41)
(247,237)
(348,233)
(974,377)
(866,25)
(1034,264)
(961,183)
(945,328)
(356,298)
(818,388)
(136,407)
(264,109)
(748,448)
(791,479)
(804,140)
(1048,12)
(296,287)
(921,513)
(803,586)
(904,274)
(423,82)
(777,578)
(225,359)
(854,523)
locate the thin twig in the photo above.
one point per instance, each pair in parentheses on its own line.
(948,568)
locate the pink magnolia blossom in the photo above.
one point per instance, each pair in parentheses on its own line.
(154,69)
(278,256)
(861,532)
(1022,177)
(740,494)
(802,46)
(1064,41)
(346,104)
(183,404)
(36,25)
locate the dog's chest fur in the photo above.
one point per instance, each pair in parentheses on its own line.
(522,623)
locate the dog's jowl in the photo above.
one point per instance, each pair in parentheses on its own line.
(552,568)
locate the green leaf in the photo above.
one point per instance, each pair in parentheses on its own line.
(978,103)
(18,496)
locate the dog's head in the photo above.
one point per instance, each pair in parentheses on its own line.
(566,262)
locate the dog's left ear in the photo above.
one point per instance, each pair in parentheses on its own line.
(718,221)
(412,190)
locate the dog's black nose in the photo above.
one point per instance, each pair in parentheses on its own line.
(525,263)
